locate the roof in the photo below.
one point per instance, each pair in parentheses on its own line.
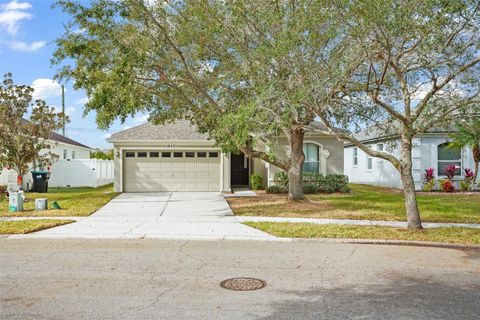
(59,138)
(374,133)
(178,130)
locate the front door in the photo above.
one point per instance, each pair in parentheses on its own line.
(239,169)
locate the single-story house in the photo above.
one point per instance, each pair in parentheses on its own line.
(176,157)
(65,148)
(429,151)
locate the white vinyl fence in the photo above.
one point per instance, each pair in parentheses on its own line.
(81,173)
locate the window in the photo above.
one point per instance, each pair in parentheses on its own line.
(64,154)
(166,154)
(312,163)
(178,154)
(73,154)
(355,157)
(380,149)
(129,154)
(213,154)
(201,154)
(448,156)
(189,154)
(154,154)
(369,163)
(141,154)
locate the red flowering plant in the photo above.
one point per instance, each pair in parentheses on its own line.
(429,176)
(447,185)
(467,182)
(450,171)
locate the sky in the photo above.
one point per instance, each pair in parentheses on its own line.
(28,30)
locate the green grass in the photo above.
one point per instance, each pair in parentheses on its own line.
(73,201)
(365,202)
(28,226)
(310,230)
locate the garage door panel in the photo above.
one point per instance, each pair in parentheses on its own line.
(171,174)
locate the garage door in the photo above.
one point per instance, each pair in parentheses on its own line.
(173,170)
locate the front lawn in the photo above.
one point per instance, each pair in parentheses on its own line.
(365,202)
(310,230)
(28,226)
(73,201)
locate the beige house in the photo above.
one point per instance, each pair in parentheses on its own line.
(175,157)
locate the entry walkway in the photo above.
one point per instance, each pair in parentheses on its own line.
(166,215)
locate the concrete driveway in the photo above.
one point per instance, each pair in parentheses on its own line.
(167,215)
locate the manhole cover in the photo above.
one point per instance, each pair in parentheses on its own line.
(243,284)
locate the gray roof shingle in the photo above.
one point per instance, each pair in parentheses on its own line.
(178,130)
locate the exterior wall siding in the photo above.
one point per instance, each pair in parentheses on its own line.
(424,156)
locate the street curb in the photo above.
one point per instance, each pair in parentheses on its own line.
(424,244)
(427,244)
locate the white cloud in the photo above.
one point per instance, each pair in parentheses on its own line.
(68,110)
(26,47)
(45,88)
(84,100)
(14,5)
(126,127)
(141,119)
(107,135)
(12,14)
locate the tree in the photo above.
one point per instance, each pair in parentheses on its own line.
(102,154)
(236,69)
(417,68)
(468,135)
(22,141)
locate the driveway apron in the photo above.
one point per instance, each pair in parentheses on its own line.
(166,215)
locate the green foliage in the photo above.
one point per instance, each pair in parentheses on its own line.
(310,189)
(99,154)
(428,185)
(22,140)
(315,182)
(281,179)
(256,182)
(277,189)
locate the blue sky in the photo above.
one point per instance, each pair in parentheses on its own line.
(28,30)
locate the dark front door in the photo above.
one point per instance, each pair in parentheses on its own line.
(239,168)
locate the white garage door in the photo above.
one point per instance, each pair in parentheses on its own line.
(175,170)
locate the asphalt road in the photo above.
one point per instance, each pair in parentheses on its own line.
(148,279)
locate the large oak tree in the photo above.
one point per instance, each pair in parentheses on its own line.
(236,69)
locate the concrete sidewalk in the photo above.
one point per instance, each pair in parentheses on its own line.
(398,224)
(165,215)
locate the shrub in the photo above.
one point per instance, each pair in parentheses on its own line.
(315,181)
(3,191)
(276,189)
(256,182)
(467,183)
(429,176)
(447,185)
(310,188)
(450,171)
(281,179)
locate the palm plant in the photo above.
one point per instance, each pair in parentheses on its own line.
(468,135)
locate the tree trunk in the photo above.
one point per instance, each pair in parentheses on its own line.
(476,159)
(295,171)
(411,206)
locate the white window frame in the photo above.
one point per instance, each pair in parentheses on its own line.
(441,174)
(380,148)
(355,157)
(73,154)
(65,154)
(369,160)
(319,148)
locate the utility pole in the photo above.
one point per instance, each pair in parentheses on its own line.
(63,109)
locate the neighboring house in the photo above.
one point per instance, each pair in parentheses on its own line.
(65,148)
(175,157)
(429,151)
